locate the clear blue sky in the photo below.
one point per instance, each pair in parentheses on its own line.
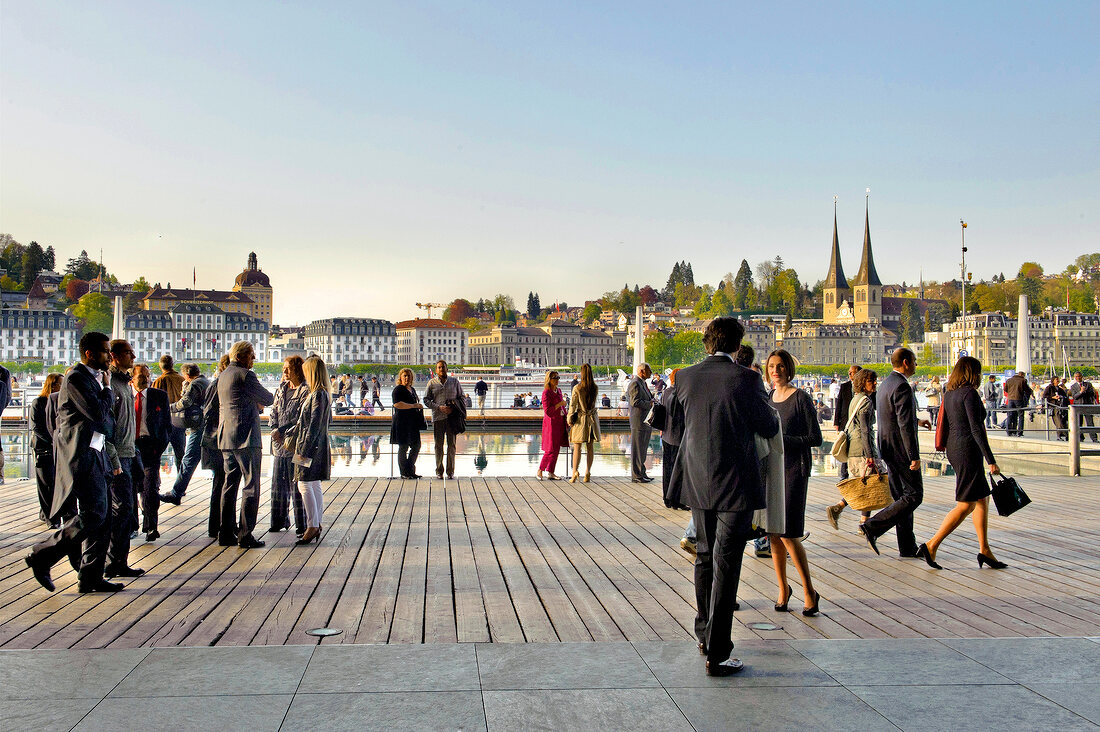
(379,154)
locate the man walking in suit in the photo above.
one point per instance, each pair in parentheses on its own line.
(240,399)
(896,416)
(723,406)
(124,463)
(151,438)
(840,411)
(84,423)
(171,383)
(640,400)
(189,407)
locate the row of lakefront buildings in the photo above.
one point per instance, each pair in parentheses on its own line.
(860,326)
(203,332)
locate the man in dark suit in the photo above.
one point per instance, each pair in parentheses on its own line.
(896,416)
(840,414)
(240,399)
(640,400)
(84,423)
(723,405)
(151,410)
(211,456)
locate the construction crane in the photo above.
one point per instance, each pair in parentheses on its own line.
(429,306)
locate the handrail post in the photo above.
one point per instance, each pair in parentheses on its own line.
(1074,441)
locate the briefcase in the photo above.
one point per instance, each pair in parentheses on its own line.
(656,417)
(868,493)
(1008,496)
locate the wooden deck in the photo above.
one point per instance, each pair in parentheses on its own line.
(519,560)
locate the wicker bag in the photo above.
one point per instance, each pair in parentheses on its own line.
(869,493)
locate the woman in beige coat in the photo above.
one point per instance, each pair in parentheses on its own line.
(584,421)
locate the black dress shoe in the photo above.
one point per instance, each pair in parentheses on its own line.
(227,542)
(101,586)
(869,537)
(152,535)
(111,572)
(170,498)
(923,553)
(40,572)
(251,543)
(725,668)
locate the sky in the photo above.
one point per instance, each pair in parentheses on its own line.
(379,154)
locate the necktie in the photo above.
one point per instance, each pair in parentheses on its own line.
(137,414)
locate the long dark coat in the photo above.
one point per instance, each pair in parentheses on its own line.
(310,436)
(83,407)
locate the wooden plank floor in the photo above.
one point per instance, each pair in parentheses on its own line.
(521,560)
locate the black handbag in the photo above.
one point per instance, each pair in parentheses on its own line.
(656,416)
(1008,496)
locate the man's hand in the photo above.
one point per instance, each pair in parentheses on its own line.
(118,471)
(925,423)
(994,469)
(105,378)
(915,465)
(445,409)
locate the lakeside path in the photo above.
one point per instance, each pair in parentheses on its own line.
(474,604)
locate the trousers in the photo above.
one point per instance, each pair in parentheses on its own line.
(283,495)
(907,490)
(82,538)
(407,452)
(242,472)
(639,448)
(720,546)
(150,452)
(441,434)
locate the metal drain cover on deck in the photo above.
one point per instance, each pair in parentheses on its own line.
(755,626)
(324,632)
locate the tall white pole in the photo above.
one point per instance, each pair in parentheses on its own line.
(118,326)
(639,339)
(1023,339)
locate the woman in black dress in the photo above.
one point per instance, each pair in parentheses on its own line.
(312,453)
(801,433)
(408,417)
(42,447)
(964,422)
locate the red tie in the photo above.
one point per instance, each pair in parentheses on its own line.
(137,414)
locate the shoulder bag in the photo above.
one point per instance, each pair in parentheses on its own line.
(840,445)
(1008,496)
(941,430)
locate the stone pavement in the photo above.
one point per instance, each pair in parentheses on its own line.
(910,684)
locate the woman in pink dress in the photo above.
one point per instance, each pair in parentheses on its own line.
(553,425)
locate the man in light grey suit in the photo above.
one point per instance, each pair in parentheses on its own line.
(240,399)
(640,400)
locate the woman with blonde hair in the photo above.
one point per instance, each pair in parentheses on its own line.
(308,440)
(553,425)
(408,420)
(42,446)
(584,422)
(964,426)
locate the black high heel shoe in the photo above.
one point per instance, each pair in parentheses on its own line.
(923,553)
(783,608)
(993,563)
(811,611)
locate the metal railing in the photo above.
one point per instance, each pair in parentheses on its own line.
(1077,414)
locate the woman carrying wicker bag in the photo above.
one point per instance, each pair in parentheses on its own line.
(862,453)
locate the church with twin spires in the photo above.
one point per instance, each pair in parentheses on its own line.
(858,300)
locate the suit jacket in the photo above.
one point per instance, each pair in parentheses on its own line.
(896,415)
(724,406)
(211,413)
(51,412)
(83,408)
(240,396)
(640,400)
(172,384)
(1018,389)
(155,420)
(41,434)
(843,402)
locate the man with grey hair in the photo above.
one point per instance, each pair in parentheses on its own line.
(189,408)
(240,399)
(640,400)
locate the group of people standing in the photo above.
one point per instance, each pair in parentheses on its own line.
(99,432)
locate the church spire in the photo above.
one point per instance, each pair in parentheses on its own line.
(835,277)
(867,274)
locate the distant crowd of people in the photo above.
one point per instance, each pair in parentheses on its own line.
(99,432)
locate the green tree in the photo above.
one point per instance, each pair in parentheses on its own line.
(9,285)
(742,286)
(592,311)
(721,304)
(33,260)
(658,348)
(928,356)
(703,304)
(49,260)
(142,285)
(95,312)
(911,330)
(533,305)
(688,346)
(82,267)
(934,318)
